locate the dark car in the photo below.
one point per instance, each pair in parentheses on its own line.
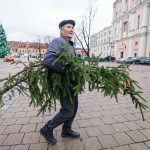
(145,61)
(137,60)
(107,58)
(85,58)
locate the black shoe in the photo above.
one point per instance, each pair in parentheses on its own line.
(48,136)
(70,133)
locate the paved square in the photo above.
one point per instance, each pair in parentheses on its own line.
(102,123)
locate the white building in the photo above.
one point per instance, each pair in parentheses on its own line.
(100,43)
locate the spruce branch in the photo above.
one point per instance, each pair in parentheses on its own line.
(44,87)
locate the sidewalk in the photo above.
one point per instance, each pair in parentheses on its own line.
(102,123)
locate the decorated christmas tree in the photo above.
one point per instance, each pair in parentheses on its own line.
(4,45)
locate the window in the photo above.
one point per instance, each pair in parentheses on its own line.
(138,22)
(116,15)
(136,43)
(125,26)
(135,54)
(126,5)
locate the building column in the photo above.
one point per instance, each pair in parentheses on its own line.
(144,21)
(130,48)
(142,48)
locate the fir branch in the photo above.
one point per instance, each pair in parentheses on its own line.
(46,87)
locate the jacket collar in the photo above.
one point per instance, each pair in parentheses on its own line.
(69,40)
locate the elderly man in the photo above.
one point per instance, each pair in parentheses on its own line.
(68,110)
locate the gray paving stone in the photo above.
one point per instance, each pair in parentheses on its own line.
(9,121)
(96,122)
(13,139)
(143,124)
(121,148)
(93,131)
(119,127)
(36,119)
(2,128)
(39,146)
(148,144)
(2,138)
(132,125)
(122,138)
(136,136)
(119,118)
(138,146)
(130,117)
(91,143)
(107,129)
(107,141)
(28,128)
(84,123)
(74,145)
(108,120)
(12,129)
(7,115)
(19,147)
(59,146)
(20,114)
(146,132)
(4,147)
(31,138)
(22,120)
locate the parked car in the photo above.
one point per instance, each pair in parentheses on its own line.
(136,60)
(145,61)
(121,60)
(85,58)
(128,60)
(8,59)
(108,58)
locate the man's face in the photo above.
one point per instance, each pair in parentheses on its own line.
(67,30)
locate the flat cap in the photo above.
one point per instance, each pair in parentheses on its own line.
(62,23)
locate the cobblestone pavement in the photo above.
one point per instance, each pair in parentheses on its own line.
(102,123)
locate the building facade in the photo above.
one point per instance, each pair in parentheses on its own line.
(23,49)
(131,28)
(100,43)
(32,49)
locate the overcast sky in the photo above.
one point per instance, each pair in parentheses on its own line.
(25,19)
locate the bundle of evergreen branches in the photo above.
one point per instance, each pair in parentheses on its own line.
(44,86)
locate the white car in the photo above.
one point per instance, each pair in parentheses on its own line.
(121,60)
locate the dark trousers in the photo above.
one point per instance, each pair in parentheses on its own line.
(66,114)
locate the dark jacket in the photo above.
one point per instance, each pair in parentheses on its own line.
(50,56)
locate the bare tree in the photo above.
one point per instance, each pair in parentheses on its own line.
(48,39)
(83,33)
